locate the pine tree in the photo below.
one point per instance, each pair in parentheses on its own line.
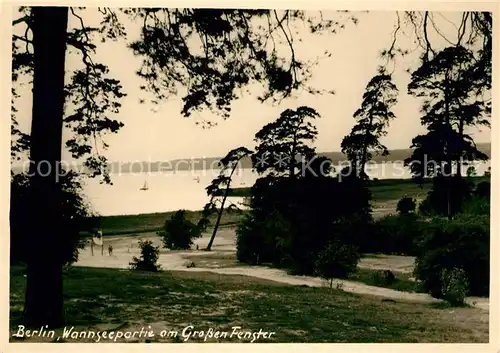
(372,118)
(450,106)
(283,144)
(220,185)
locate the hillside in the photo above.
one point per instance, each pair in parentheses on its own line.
(211,162)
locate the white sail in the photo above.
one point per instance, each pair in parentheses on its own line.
(97,239)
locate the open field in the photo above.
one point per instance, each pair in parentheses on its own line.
(112,299)
(385,189)
(152,222)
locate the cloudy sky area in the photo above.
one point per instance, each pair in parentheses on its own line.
(164,134)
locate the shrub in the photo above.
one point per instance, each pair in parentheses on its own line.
(337,260)
(477,206)
(459,243)
(179,232)
(483,189)
(446,193)
(406,205)
(263,241)
(425,207)
(384,277)
(149,257)
(455,287)
(397,234)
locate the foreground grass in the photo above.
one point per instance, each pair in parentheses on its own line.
(105,299)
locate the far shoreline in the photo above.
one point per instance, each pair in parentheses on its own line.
(197,164)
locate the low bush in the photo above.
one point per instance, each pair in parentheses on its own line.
(464,243)
(406,205)
(448,194)
(179,232)
(483,189)
(397,234)
(149,257)
(425,207)
(337,260)
(477,206)
(384,277)
(263,241)
(455,286)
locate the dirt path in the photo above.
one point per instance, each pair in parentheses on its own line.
(125,248)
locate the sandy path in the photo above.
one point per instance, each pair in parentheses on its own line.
(125,248)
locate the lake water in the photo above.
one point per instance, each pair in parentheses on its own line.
(170,191)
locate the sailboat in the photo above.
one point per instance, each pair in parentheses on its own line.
(145,186)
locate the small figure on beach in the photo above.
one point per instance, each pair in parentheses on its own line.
(110,250)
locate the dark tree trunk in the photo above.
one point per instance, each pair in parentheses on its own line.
(217,223)
(44,288)
(449,157)
(219,215)
(291,172)
(362,172)
(459,161)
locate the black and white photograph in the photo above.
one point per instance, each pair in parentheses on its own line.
(251,174)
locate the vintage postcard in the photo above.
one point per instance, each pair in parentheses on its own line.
(250,173)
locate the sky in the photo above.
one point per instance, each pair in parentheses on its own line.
(164,134)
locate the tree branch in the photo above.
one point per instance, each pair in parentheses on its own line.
(24,19)
(428,43)
(26,40)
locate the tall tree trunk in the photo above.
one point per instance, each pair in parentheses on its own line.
(291,172)
(44,288)
(461,135)
(219,215)
(449,157)
(364,153)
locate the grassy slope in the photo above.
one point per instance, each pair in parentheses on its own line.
(383,190)
(110,299)
(150,222)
